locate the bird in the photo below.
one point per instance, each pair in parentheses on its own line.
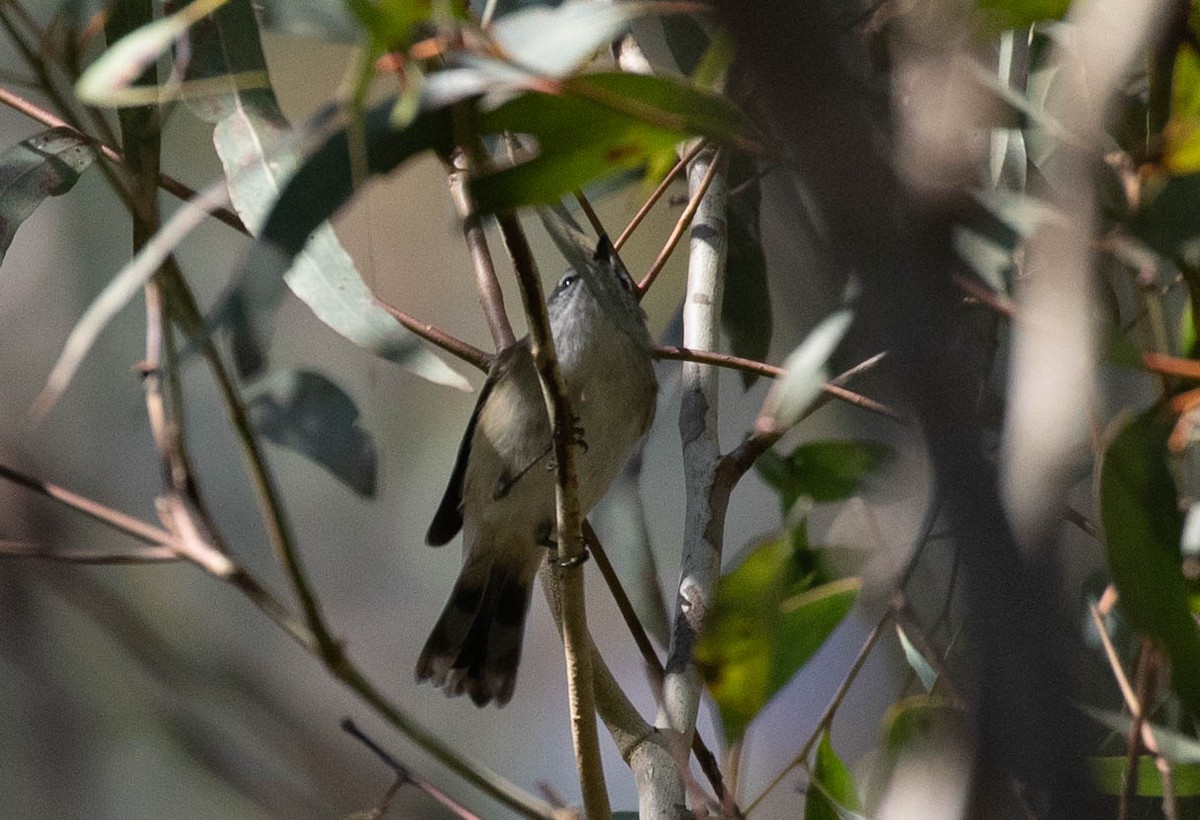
(501,492)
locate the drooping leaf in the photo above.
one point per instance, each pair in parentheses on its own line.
(47,164)
(1109,774)
(251,137)
(832,794)
(304,411)
(1143,525)
(824,471)
(746,306)
(920,719)
(764,624)
(111,79)
(556,41)
(1168,220)
(599,124)
(804,374)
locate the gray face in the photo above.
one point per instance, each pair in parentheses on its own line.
(602,287)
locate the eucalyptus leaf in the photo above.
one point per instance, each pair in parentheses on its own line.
(1143,526)
(1182,133)
(311,18)
(555,42)
(110,80)
(304,411)
(1173,745)
(1018,14)
(824,471)
(47,164)
(805,373)
(764,624)
(832,794)
(1109,774)
(251,136)
(917,661)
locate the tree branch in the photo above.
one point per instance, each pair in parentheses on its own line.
(436,336)
(705,515)
(576,641)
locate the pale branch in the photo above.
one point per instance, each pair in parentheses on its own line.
(653,199)
(696,193)
(704,520)
(142,555)
(576,641)
(164,181)
(436,336)
(491,296)
(704,756)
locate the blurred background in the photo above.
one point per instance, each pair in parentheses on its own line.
(155,691)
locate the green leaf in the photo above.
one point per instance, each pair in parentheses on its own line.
(47,164)
(111,79)
(555,42)
(1182,132)
(598,125)
(804,374)
(1110,772)
(921,719)
(764,624)
(250,135)
(1168,221)
(1013,14)
(746,307)
(319,19)
(304,411)
(823,471)
(1139,507)
(831,794)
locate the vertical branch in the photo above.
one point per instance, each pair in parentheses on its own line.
(576,641)
(706,502)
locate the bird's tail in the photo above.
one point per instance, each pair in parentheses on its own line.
(476,644)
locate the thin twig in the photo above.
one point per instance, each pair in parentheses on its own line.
(576,641)
(144,555)
(405,775)
(590,212)
(491,297)
(165,181)
(681,226)
(662,188)
(436,336)
(830,710)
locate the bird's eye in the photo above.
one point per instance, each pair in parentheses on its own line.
(566,281)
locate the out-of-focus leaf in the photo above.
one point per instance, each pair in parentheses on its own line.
(600,124)
(822,470)
(1168,220)
(1109,774)
(1015,14)
(250,137)
(919,719)
(304,411)
(917,661)
(1139,507)
(764,624)
(124,286)
(832,794)
(110,79)
(1174,746)
(318,19)
(390,24)
(687,40)
(555,42)
(746,306)
(1182,133)
(992,261)
(47,164)
(804,374)
(1185,338)
(715,62)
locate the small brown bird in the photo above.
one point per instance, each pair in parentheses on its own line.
(501,491)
